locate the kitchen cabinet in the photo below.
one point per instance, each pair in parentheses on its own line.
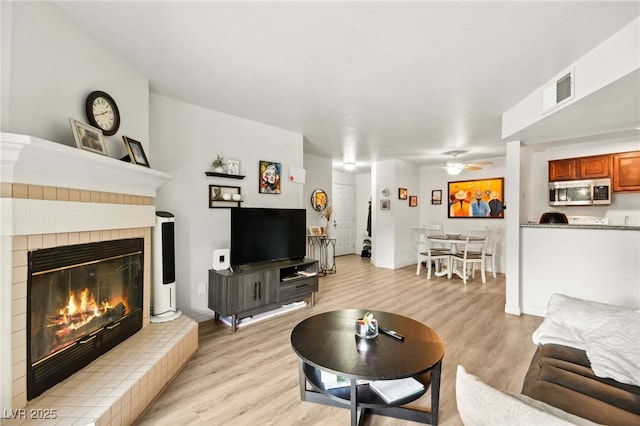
(563,170)
(595,167)
(626,172)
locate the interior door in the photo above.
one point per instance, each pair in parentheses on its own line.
(343,218)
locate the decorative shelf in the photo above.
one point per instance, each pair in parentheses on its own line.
(224,175)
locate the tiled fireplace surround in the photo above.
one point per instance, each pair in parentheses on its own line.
(55,195)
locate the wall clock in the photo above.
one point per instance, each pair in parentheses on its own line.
(102,112)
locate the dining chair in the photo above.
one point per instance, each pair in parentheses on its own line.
(493,237)
(436,252)
(491,245)
(429,251)
(473,253)
(421,242)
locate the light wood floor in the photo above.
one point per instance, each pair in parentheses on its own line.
(251,378)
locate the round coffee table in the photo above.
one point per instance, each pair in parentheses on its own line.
(327,342)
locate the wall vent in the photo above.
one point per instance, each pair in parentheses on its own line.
(558,92)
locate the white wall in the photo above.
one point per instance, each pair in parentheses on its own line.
(186,138)
(599,264)
(609,61)
(54,64)
(392,238)
(318,176)
(437,214)
(363,197)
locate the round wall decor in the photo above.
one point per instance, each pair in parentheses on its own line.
(102,112)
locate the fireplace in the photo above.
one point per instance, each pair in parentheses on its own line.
(82,301)
(55,195)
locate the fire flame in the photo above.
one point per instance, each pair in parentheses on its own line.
(80,310)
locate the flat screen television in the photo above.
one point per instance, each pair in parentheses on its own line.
(267,234)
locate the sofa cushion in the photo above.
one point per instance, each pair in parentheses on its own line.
(609,334)
(480,404)
(558,376)
(564,322)
(613,346)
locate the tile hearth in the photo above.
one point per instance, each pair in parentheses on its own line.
(117,387)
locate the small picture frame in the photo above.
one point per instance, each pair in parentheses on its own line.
(87,137)
(135,151)
(413,201)
(221,196)
(385,204)
(436,196)
(402,193)
(233,167)
(315,230)
(269,177)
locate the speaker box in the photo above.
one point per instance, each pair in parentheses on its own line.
(221,259)
(163,283)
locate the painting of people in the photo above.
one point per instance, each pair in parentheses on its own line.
(482,198)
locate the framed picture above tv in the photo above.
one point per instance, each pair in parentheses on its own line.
(481,198)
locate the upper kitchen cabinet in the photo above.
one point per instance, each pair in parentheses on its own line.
(563,170)
(626,171)
(595,167)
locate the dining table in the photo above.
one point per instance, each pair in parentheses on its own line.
(453,240)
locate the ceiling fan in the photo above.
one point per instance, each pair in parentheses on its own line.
(454,167)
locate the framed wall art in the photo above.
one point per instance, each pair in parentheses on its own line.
(413,200)
(319,200)
(88,137)
(402,193)
(269,173)
(482,198)
(436,196)
(233,167)
(315,230)
(221,196)
(135,151)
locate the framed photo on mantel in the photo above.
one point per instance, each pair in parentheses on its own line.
(135,151)
(88,137)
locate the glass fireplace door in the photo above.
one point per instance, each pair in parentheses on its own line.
(82,301)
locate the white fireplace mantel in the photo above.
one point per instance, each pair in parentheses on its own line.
(34,161)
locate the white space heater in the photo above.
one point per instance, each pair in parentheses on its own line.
(163,286)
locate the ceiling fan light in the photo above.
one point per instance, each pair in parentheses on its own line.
(454,169)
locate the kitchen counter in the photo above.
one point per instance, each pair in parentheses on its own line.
(593,262)
(566,226)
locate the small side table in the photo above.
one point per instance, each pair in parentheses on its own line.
(328,255)
(314,246)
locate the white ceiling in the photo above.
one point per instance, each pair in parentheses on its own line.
(362,81)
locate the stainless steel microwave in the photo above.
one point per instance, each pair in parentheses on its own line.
(580,192)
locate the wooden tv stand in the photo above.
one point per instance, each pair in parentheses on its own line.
(262,286)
